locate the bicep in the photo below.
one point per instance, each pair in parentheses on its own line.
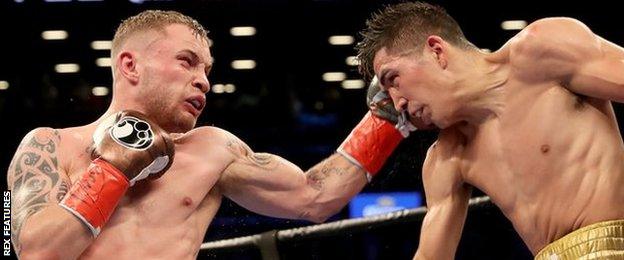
(260,181)
(442,227)
(34,176)
(447,202)
(259,171)
(601,74)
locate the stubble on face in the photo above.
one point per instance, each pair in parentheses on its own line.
(161,104)
(163,87)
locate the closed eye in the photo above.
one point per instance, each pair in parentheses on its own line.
(186,60)
(387,78)
(392,81)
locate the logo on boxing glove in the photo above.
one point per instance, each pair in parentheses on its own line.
(132,133)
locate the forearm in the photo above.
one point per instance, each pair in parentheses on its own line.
(52,233)
(440,234)
(270,185)
(443,224)
(336,180)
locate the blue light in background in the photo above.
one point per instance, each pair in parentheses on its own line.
(369,204)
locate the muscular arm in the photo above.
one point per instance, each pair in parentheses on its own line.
(447,204)
(602,75)
(572,54)
(272,186)
(40,228)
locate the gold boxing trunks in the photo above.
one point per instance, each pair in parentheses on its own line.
(602,240)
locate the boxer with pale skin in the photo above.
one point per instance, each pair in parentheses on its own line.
(531,125)
(142,183)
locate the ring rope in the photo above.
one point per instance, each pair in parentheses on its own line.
(331,228)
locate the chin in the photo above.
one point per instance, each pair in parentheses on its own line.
(180,124)
(184,127)
(444,123)
(419,124)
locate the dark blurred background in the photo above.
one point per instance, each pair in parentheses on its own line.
(283,105)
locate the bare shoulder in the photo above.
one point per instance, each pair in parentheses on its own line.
(444,152)
(449,142)
(43,137)
(551,29)
(442,176)
(59,145)
(41,141)
(557,36)
(557,25)
(209,137)
(550,49)
(203,133)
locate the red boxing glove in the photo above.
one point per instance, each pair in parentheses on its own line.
(370,143)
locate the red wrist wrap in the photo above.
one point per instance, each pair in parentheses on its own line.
(371,142)
(94,197)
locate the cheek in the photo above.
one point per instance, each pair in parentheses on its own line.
(165,73)
(412,94)
(394,94)
(160,97)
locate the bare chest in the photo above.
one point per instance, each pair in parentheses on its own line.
(179,193)
(540,135)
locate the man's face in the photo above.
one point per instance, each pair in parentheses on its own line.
(173,78)
(417,84)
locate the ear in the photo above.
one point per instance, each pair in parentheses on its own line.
(438,47)
(127,66)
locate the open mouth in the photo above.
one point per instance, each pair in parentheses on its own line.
(421,118)
(418,113)
(197,103)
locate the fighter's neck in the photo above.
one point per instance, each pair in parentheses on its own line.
(116,106)
(90,128)
(112,109)
(481,91)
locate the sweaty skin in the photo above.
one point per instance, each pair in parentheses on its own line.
(164,218)
(544,143)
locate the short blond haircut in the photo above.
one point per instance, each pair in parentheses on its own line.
(154,20)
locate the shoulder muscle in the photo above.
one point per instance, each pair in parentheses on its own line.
(553,47)
(34,175)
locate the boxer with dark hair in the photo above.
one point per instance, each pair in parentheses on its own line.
(531,125)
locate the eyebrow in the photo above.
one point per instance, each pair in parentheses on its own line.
(196,58)
(194,55)
(383,77)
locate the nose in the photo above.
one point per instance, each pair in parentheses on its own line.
(400,103)
(201,82)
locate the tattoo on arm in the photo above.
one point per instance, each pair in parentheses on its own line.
(316,178)
(263,160)
(260,159)
(34,179)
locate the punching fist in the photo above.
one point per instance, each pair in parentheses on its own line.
(381,130)
(380,102)
(381,105)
